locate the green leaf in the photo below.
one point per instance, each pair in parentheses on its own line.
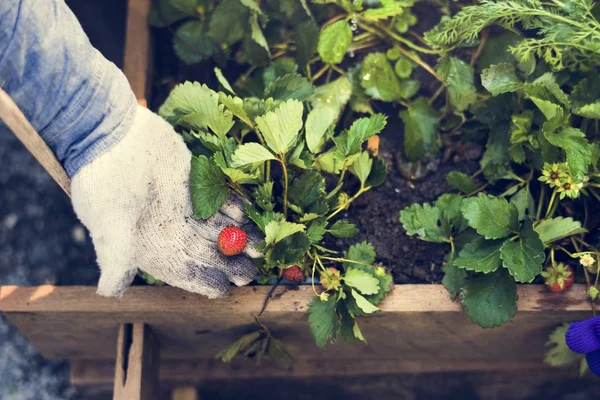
(363,303)
(559,353)
(490,300)
(236,106)
(363,128)
(318,122)
(524,257)
(363,252)
(241,177)
(202,102)
(316,230)
(454,279)
(420,129)
(343,229)
(307,39)
(306,189)
(334,95)
(524,203)
(449,205)
(361,168)
(280,127)
(551,230)
(480,256)
(334,42)
(290,86)
(577,147)
(165,12)
(378,173)
(208,187)
(223,81)
(488,215)
(378,78)
(275,231)
(586,98)
(252,5)
(257,34)
(403,66)
(500,78)
(461,182)
(191,43)
(459,77)
(323,321)
(364,282)
(389,9)
(250,154)
(228,353)
(225,26)
(423,220)
(386,282)
(263,196)
(291,250)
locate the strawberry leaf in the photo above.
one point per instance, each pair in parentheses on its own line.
(461,182)
(500,78)
(208,187)
(251,154)
(490,300)
(343,229)
(480,256)
(364,282)
(459,77)
(424,221)
(275,231)
(553,229)
(363,303)
(524,257)
(280,127)
(291,86)
(334,42)
(420,129)
(490,216)
(323,321)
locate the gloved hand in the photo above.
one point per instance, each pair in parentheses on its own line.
(584,337)
(134,199)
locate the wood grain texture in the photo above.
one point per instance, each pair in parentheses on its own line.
(138,49)
(137,364)
(33,142)
(420,329)
(184,393)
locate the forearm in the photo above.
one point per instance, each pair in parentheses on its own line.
(79,102)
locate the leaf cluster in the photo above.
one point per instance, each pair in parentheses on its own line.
(284,153)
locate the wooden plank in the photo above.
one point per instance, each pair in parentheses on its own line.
(137,364)
(184,393)
(420,329)
(136,62)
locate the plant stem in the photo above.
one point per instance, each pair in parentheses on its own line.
(320,72)
(343,260)
(540,202)
(408,43)
(285,184)
(347,202)
(550,205)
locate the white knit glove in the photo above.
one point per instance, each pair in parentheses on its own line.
(135,201)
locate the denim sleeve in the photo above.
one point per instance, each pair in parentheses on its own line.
(78,101)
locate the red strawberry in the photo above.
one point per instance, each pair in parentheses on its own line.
(558,278)
(293,274)
(232,241)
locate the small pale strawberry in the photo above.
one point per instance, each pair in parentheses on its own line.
(331,279)
(232,241)
(558,278)
(293,274)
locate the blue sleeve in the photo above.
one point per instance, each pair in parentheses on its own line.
(77,100)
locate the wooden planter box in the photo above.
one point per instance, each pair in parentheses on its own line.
(420,330)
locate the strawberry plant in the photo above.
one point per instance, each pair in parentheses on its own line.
(299,172)
(533,201)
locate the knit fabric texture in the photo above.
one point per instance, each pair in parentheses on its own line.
(584,337)
(135,200)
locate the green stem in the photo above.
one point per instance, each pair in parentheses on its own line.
(408,43)
(285,184)
(348,202)
(343,260)
(540,202)
(550,204)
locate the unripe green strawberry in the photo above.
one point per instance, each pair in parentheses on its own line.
(331,279)
(293,274)
(232,241)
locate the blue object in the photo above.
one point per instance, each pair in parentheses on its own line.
(78,101)
(584,337)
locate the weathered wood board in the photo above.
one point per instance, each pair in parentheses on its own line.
(419,330)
